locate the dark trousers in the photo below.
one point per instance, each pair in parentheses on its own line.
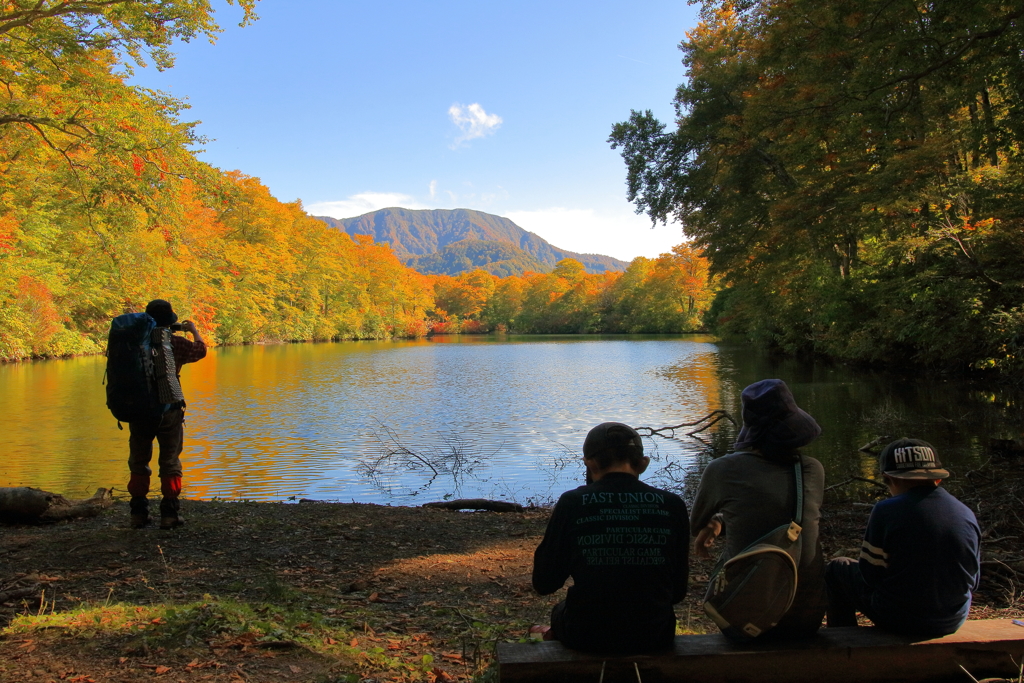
(168,430)
(805,614)
(847,592)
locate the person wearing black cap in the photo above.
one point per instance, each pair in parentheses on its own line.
(751,491)
(167,429)
(626,546)
(920,560)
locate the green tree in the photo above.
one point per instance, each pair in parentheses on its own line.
(840,161)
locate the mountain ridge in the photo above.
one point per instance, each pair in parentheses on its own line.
(416,233)
(497,258)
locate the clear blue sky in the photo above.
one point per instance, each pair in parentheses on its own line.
(504,108)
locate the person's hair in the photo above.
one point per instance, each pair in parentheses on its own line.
(611,443)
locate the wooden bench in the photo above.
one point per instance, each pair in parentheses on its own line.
(993,647)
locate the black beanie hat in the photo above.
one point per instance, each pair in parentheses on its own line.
(161,312)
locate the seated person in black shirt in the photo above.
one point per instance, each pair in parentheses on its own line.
(624,543)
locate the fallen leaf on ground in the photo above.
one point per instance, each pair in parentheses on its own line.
(162,669)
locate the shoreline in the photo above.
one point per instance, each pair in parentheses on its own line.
(426,337)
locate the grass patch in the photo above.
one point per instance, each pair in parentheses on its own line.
(350,653)
(86,621)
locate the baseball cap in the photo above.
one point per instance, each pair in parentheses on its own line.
(911,459)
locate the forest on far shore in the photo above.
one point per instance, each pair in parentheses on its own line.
(848,175)
(104,206)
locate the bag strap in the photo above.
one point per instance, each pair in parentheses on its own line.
(798,473)
(798,514)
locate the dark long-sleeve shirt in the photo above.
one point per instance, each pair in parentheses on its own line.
(626,545)
(921,555)
(186,351)
(754,495)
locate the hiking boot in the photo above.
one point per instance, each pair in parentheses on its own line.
(140,512)
(170,517)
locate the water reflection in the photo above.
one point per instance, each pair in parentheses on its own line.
(406,422)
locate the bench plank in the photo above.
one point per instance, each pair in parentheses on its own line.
(838,655)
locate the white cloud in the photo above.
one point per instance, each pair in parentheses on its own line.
(473,121)
(623,235)
(364,202)
(433,189)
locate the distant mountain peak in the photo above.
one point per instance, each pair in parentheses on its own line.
(417,233)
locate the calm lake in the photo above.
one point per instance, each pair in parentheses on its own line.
(496,417)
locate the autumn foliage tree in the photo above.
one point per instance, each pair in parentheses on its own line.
(104,206)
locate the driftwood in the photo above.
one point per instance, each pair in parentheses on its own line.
(18,593)
(475,504)
(702,424)
(872,445)
(28,504)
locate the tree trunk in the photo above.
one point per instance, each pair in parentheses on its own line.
(27,504)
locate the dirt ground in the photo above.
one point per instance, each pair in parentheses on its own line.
(343,592)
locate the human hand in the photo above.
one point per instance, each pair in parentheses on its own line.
(189,326)
(706,538)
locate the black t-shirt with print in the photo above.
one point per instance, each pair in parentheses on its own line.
(626,545)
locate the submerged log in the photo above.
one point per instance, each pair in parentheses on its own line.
(22,503)
(476,504)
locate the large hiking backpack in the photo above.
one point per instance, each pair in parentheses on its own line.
(750,592)
(141,375)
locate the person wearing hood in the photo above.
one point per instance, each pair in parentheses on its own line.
(747,493)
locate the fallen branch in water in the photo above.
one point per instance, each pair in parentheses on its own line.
(475,504)
(706,421)
(871,445)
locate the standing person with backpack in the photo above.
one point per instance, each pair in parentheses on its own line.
(144,361)
(752,497)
